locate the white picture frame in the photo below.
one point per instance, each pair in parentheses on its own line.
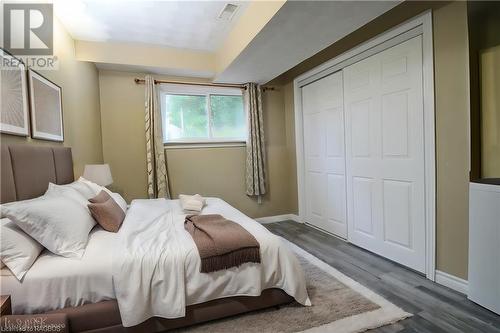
(14,96)
(46,108)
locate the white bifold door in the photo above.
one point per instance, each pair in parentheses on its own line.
(364,154)
(324,153)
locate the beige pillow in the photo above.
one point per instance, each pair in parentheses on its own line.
(103,196)
(108,214)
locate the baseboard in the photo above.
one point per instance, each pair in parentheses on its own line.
(453,282)
(278,218)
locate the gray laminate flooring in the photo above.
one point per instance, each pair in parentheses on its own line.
(435,308)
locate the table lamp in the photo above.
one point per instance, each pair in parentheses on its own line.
(98,173)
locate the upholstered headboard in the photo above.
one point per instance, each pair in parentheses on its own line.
(27,170)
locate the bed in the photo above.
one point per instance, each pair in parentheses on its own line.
(86,289)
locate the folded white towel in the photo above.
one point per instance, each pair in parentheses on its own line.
(193,206)
(192,203)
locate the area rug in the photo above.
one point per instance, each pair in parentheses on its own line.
(339,304)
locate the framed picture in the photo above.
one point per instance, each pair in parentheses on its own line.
(46,108)
(13,95)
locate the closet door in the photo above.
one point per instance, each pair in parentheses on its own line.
(385,154)
(323,119)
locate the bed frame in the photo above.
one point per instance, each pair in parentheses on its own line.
(26,171)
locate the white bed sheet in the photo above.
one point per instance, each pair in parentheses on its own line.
(55,282)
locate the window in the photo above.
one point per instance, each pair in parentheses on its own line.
(193,114)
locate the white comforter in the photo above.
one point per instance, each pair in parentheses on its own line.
(55,282)
(156,266)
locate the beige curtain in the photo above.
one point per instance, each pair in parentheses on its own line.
(155,153)
(255,164)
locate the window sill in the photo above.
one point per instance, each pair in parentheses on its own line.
(195,145)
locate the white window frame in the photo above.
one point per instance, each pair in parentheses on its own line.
(207,91)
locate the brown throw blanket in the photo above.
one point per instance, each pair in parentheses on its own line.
(221,243)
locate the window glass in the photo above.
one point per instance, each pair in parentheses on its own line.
(186,117)
(228,117)
(198,115)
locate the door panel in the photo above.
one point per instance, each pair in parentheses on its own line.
(362,192)
(335,132)
(324,152)
(360,128)
(336,200)
(315,194)
(397,216)
(395,124)
(385,153)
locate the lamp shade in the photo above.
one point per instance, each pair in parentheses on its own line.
(98,173)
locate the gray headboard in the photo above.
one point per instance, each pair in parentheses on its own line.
(27,170)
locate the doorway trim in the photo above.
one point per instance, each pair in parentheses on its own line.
(420,25)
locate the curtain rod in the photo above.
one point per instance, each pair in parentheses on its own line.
(223,85)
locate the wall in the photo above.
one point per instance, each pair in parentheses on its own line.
(290,144)
(452,153)
(208,171)
(123,137)
(80,92)
(452,140)
(490,112)
(402,12)
(484,60)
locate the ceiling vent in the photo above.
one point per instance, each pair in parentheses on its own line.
(228,12)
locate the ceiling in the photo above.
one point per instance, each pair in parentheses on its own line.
(179,24)
(185,73)
(299,30)
(186,37)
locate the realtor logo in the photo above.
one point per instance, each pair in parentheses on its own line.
(28,28)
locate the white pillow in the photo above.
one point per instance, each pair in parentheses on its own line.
(12,203)
(18,250)
(85,190)
(95,187)
(59,223)
(69,192)
(98,188)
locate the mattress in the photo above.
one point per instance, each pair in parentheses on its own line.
(55,282)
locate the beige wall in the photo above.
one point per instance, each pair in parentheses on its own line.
(490,115)
(452,141)
(290,144)
(123,137)
(451,77)
(80,92)
(208,171)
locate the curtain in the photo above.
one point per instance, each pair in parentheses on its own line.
(155,153)
(255,163)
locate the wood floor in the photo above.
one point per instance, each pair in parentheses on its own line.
(435,308)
